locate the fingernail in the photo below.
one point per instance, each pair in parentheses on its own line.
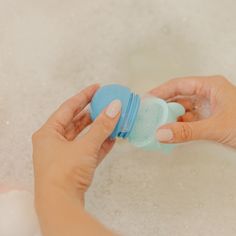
(164,135)
(114,108)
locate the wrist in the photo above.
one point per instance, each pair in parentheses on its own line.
(48,194)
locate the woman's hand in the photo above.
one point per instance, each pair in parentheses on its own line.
(65,165)
(192,92)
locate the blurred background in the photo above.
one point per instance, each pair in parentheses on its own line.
(50,49)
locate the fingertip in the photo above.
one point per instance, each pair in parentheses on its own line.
(157,92)
(92,88)
(104,124)
(164,135)
(113,109)
(96,85)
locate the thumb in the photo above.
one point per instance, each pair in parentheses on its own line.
(104,125)
(186,131)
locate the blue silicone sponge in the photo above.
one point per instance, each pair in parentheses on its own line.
(130,105)
(140,118)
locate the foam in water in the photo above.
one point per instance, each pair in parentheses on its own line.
(17,210)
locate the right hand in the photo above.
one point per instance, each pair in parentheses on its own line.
(220,126)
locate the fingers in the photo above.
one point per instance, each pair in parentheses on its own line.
(182,86)
(79,123)
(188,117)
(104,125)
(185,102)
(65,113)
(186,131)
(82,122)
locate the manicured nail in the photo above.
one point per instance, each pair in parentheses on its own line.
(165,135)
(114,108)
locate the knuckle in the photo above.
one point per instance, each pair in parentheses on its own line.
(90,141)
(185,132)
(40,136)
(36,136)
(81,177)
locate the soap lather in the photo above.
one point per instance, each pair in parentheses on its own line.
(140,117)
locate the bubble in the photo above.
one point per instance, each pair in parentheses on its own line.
(17,209)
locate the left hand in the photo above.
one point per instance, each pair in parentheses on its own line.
(61,161)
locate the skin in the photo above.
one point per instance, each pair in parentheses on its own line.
(64,164)
(219,126)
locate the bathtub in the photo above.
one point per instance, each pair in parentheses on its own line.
(51,49)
